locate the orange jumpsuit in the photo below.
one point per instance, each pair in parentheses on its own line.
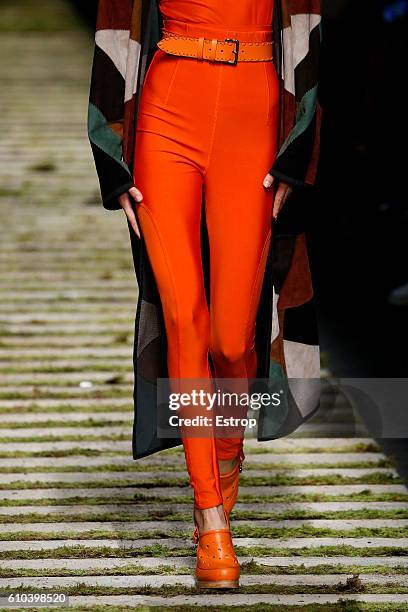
(212,126)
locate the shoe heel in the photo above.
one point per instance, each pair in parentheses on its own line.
(217,584)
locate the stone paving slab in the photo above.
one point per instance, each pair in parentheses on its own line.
(46,319)
(159,476)
(69,417)
(11,355)
(89,395)
(67,267)
(176,459)
(66,308)
(235,599)
(39,329)
(50,245)
(175,543)
(89,283)
(36,447)
(312,443)
(287,444)
(130,581)
(259,492)
(28,420)
(187,564)
(77,294)
(64,431)
(59,378)
(103,328)
(143,509)
(160,526)
(119,402)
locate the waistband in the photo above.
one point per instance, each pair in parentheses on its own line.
(261,33)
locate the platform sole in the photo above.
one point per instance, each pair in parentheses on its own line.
(217,584)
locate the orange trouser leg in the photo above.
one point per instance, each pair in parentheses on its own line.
(239,218)
(213,133)
(169,218)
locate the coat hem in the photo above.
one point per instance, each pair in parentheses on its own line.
(288,179)
(110,201)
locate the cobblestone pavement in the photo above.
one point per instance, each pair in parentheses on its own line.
(77,514)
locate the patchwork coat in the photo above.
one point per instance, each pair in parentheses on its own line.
(286,335)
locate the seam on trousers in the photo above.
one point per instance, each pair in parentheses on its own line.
(213,450)
(170,86)
(166,260)
(216,108)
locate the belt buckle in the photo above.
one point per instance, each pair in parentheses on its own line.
(235,51)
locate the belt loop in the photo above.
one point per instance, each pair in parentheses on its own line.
(200,48)
(213,49)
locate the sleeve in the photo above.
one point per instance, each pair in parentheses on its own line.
(106,99)
(297,158)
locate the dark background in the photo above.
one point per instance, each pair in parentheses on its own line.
(360,246)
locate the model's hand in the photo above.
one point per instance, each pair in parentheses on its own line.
(282,193)
(125,200)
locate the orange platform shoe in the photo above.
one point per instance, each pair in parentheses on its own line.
(217,565)
(229,485)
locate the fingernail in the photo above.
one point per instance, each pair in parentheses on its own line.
(267,183)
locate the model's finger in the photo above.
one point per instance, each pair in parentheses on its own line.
(124,199)
(127,206)
(129,212)
(136,194)
(268,181)
(277,205)
(287,194)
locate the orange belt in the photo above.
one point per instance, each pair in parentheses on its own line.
(229,51)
